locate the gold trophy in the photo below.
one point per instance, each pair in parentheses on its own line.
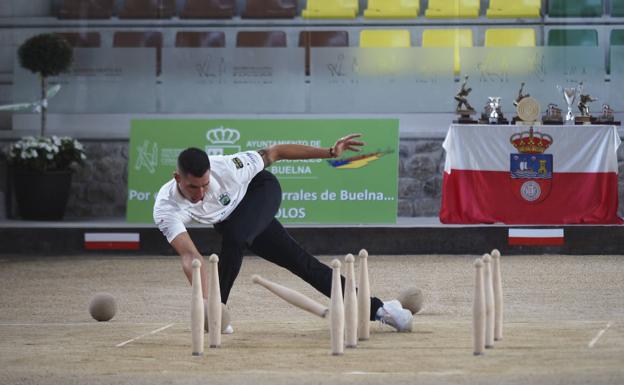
(583,106)
(464,109)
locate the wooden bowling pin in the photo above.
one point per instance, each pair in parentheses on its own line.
(336,311)
(350,304)
(363,298)
(214,303)
(478,311)
(498,295)
(291,296)
(197,310)
(489,301)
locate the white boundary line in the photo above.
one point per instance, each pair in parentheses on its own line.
(600,333)
(87,323)
(143,335)
(442,373)
(365,373)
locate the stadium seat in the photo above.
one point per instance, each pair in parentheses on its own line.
(572,37)
(261,39)
(331,9)
(528,9)
(392,9)
(270,9)
(453,9)
(131,39)
(617,8)
(82,39)
(309,39)
(510,37)
(455,38)
(323,39)
(208,9)
(200,39)
(386,64)
(385,38)
(575,8)
(148,39)
(86,9)
(148,9)
(616,37)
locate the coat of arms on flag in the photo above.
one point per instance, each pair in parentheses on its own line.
(531,169)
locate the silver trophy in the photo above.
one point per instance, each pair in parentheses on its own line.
(493,108)
(570,94)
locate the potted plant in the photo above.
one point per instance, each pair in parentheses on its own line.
(41,167)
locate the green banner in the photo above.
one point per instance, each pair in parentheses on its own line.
(356,188)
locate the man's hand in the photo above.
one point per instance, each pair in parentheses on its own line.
(299,151)
(185,247)
(346,143)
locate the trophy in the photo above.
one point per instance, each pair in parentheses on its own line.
(492,112)
(527,108)
(583,106)
(553,115)
(521,95)
(607,116)
(494,104)
(464,109)
(570,94)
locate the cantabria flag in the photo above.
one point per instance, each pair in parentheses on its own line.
(530,175)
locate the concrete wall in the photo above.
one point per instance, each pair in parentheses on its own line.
(100,187)
(421,164)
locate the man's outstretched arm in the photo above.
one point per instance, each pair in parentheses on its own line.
(187,251)
(299,151)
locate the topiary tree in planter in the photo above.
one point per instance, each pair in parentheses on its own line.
(46,55)
(42,166)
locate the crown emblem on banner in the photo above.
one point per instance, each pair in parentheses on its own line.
(221,135)
(531,142)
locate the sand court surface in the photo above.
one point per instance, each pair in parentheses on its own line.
(564,323)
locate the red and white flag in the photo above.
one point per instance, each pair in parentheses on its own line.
(536,237)
(526,175)
(111,241)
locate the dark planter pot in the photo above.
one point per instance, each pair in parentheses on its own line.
(41,195)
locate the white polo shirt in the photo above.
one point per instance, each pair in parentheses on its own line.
(230,176)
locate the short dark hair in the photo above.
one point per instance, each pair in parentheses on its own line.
(193,161)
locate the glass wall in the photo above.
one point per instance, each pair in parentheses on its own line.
(174,59)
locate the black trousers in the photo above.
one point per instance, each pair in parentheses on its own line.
(253,225)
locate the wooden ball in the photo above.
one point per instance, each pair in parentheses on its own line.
(412,299)
(102,307)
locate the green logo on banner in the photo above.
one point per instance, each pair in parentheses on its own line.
(358,187)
